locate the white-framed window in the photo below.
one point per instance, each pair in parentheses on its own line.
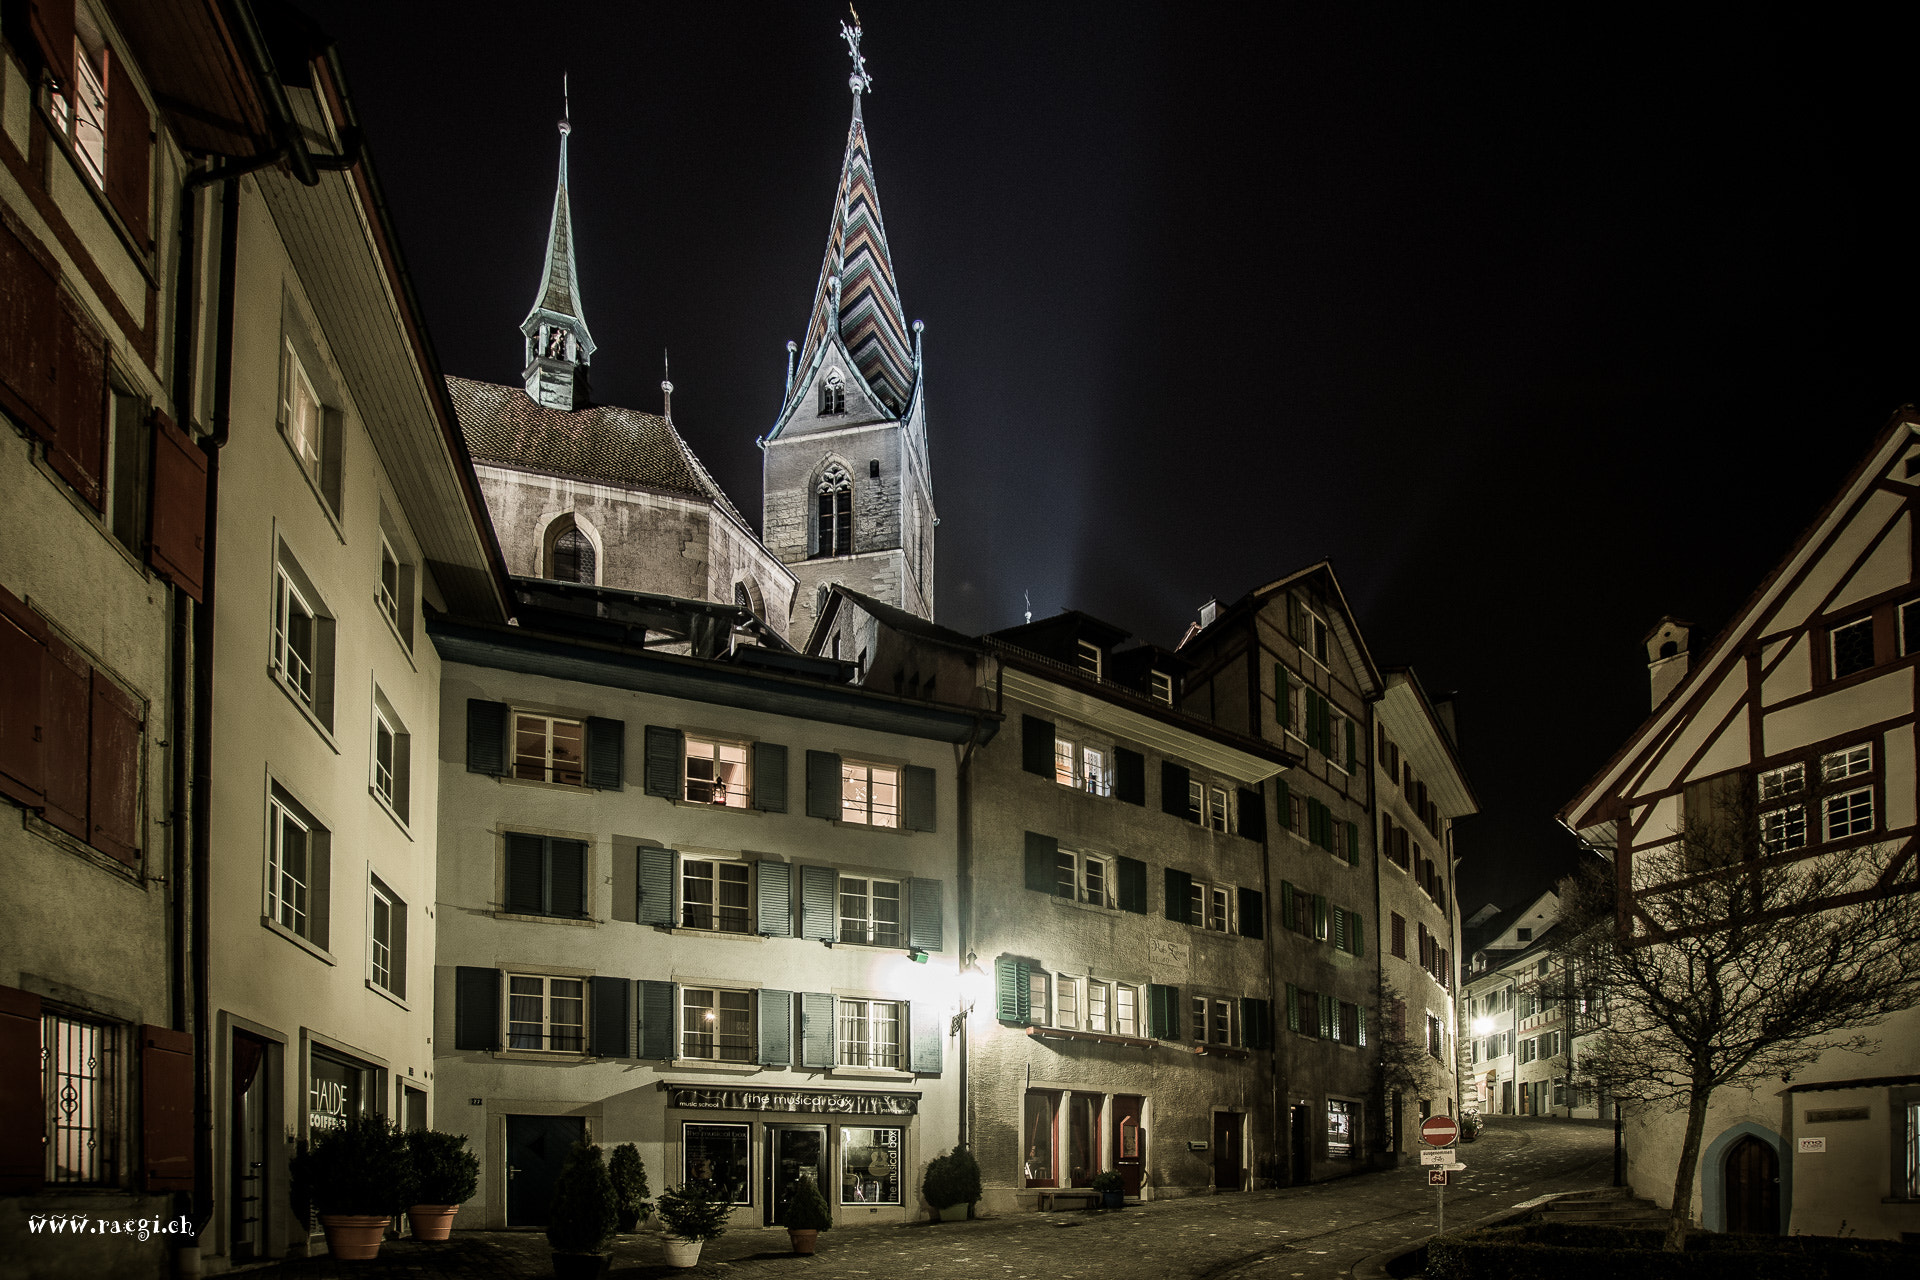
(1851,762)
(303,415)
(383,756)
(1851,647)
(1297,815)
(1087,657)
(1848,814)
(80,1062)
(548,749)
(387,593)
(1068,990)
(392,764)
(1039,997)
(869,794)
(1214,1021)
(1083,877)
(1099,1005)
(298,859)
(296,637)
(717,773)
(1782,830)
(1337,739)
(1083,766)
(870,911)
(1220,908)
(1160,686)
(1216,809)
(715,893)
(387,934)
(716,1024)
(546,1015)
(870,1033)
(1126,1009)
(1787,780)
(1316,637)
(84,120)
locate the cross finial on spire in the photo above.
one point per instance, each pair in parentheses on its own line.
(566,106)
(859,81)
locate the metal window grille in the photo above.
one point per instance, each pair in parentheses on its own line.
(573,558)
(81,1060)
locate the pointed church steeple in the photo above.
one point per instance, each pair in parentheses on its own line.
(559,347)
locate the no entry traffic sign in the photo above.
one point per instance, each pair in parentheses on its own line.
(1439,1131)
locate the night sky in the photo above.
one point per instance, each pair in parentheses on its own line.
(1540,324)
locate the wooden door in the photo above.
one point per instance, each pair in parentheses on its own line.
(1227,1165)
(1129,1140)
(1753,1187)
(1301,1148)
(536,1148)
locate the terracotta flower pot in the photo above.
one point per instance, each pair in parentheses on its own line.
(353,1237)
(803,1239)
(580,1266)
(681,1253)
(432,1221)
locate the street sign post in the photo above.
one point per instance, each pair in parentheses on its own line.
(1441,1132)
(1437,1178)
(1436,1157)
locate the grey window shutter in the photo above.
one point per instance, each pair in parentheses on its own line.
(774,887)
(476,1008)
(818,887)
(925,923)
(567,865)
(823,784)
(1253,814)
(816,1029)
(1253,913)
(917,810)
(1131,885)
(776,1027)
(666,756)
(1036,745)
(656,1019)
(770,777)
(658,869)
(1012,989)
(1129,776)
(929,1038)
(1179,891)
(1173,790)
(1283,802)
(1041,852)
(611,1018)
(526,873)
(606,754)
(487,737)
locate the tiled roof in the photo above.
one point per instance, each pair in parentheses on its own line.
(600,442)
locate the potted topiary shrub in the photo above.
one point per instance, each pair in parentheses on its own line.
(966,1178)
(445,1176)
(356,1175)
(580,1227)
(805,1216)
(952,1179)
(691,1215)
(629,1174)
(1112,1188)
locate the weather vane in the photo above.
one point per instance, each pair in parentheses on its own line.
(859,81)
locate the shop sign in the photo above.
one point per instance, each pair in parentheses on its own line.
(819,1101)
(333,1092)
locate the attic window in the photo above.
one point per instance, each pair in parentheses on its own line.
(1162,687)
(1524,935)
(1088,659)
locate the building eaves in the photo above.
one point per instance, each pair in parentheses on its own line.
(1349,630)
(1439,732)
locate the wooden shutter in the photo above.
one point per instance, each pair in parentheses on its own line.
(1163,1011)
(567,877)
(1253,815)
(487,737)
(1129,776)
(1036,745)
(1357,933)
(1282,697)
(1042,852)
(656,1020)
(113,786)
(66,713)
(1179,892)
(1131,884)
(1283,802)
(129,137)
(1253,913)
(1340,928)
(929,1038)
(823,785)
(166,1109)
(476,1008)
(1320,917)
(77,453)
(658,870)
(917,807)
(1012,990)
(666,755)
(22,1083)
(29,295)
(925,923)
(1256,1021)
(818,890)
(1327,1016)
(773,888)
(606,754)
(1353,747)
(1287,918)
(1353,844)
(1293,1007)
(526,874)
(611,1019)
(51,22)
(776,1027)
(1173,791)
(770,778)
(177,509)
(816,1029)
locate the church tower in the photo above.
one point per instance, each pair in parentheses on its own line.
(559,348)
(848,496)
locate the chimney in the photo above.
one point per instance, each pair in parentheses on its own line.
(1208,612)
(1666,657)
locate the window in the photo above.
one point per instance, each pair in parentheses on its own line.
(83,119)
(1343,1130)
(1037,999)
(573,558)
(716,1025)
(716,773)
(1297,815)
(1788,780)
(392,757)
(834,530)
(545,876)
(548,749)
(1838,766)
(870,912)
(1087,657)
(294,635)
(1069,1011)
(1099,1005)
(714,895)
(1909,618)
(1160,686)
(1196,799)
(1783,830)
(1086,768)
(546,1015)
(833,395)
(1527,1049)
(870,1033)
(1523,935)
(132,452)
(297,863)
(1221,1027)
(1216,809)
(1849,813)
(869,794)
(1399,935)
(303,417)
(1219,907)
(1042,1118)
(871,1161)
(1083,877)
(80,1058)
(1913,1151)
(1126,1009)
(717,1155)
(388,932)
(388,592)
(1852,647)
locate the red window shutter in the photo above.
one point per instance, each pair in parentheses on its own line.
(177,545)
(52,23)
(129,137)
(79,449)
(166,1109)
(23,1157)
(66,707)
(23,651)
(27,297)
(113,801)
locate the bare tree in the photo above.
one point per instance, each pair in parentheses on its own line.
(1400,1062)
(1727,968)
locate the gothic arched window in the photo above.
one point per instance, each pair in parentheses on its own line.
(835,493)
(571,558)
(833,396)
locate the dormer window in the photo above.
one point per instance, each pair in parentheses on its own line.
(1162,686)
(1088,658)
(833,395)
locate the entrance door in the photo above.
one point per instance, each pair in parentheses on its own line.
(536,1148)
(1506,1097)
(1753,1187)
(247,1158)
(1129,1141)
(1301,1134)
(795,1151)
(1227,1167)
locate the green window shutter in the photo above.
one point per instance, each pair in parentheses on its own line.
(1353,748)
(929,1038)
(773,888)
(606,755)
(476,1009)
(1282,697)
(1360,1016)
(1129,776)
(1358,933)
(823,785)
(666,755)
(1163,1009)
(659,868)
(818,888)
(1036,745)
(1320,917)
(1253,814)
(1283,802)
(487,738)
(1340,928)
(656,1020)
(776,1027)
(1253,913)
(1012,989)
(1041,852)
(1131,884)
(1287,918)
(1353,844)
(1293,1007)
(925,923)
(917,787)
(816,1029)
(1179,890)
(1326,1017)
(770,777)
(1173,791)
(612,1025)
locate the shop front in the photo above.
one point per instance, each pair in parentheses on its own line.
(1070,1135)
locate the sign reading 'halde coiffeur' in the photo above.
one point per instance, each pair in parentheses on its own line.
(809,1100)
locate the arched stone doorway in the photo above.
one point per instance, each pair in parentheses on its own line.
(1752,1169)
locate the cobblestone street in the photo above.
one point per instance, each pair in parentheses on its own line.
(1316,1231)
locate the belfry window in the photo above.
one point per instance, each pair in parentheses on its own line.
(835,493)
(572,558)
(833,395)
